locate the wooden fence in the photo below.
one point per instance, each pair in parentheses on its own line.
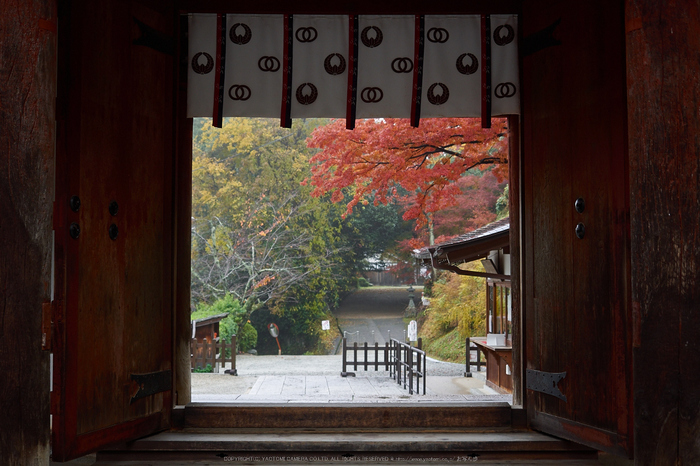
(402,360)
(381,354)
(216,351)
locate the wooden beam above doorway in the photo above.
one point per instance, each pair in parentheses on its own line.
(350,7)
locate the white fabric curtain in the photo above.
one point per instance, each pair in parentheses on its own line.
(366,66)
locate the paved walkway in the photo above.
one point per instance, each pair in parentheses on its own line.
(316,379)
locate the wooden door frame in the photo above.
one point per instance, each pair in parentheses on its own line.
(183,181)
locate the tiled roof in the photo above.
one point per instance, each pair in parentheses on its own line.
(496,228)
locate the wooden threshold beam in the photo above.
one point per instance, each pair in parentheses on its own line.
(356,416)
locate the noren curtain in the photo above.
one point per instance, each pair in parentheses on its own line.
(363,66)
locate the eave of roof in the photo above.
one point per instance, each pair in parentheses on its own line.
(468,247)
(210,320)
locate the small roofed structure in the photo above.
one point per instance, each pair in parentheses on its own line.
(207,327)
(489,244)
(475,245)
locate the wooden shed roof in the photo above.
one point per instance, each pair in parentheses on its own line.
(210,320)
(468,247)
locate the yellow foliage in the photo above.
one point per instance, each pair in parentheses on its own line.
(458,302)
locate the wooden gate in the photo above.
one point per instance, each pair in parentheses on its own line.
(576,225)
(113,321)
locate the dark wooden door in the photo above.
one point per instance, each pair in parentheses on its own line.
(576,290)
(113,322)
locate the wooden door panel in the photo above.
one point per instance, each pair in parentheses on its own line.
(115,155)
(576,290)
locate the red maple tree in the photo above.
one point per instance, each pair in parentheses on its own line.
(381,155)
(474,207)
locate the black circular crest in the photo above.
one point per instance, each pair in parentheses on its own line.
(334,64)
(239,92)
(269,64)
(504,90)
(501,39)
(240,39)
(307,99)
(467,69)
(371,95)
(202,68)
(402,65)
(307,34)
(438,35)
(376,38)
(438,99)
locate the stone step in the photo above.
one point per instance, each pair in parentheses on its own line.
(322,446)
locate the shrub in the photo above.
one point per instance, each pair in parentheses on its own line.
(203,370)
(362,282)
(247,337)
(228,326)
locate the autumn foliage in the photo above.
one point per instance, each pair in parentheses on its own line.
(387,159)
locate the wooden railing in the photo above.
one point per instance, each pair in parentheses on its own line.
(403,361)
(408,363)
(216,351)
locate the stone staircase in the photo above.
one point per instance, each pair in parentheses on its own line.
(427,433)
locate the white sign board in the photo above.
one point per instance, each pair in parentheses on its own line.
(325,325)
(412,331)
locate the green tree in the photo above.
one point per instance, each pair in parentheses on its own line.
(226,305)
(375,229)
(257,234)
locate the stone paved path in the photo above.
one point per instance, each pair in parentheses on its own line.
(332,389)
(377,314)
(316,379)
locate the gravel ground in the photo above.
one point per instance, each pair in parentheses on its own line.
(249,365)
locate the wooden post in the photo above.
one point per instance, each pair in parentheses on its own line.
(182,219)
(468,352)
(354,346)
(419,361)
(425,372)
(517,278)
(234,351)
(220,350)
(386,357)
(664,161)
(345,357)
(366,356)
(410,370)
(27,138)
(376,356)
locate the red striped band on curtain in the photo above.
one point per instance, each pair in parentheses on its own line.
(219,77)
(417,70)
(485,71)
(352,72)
(286,116)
